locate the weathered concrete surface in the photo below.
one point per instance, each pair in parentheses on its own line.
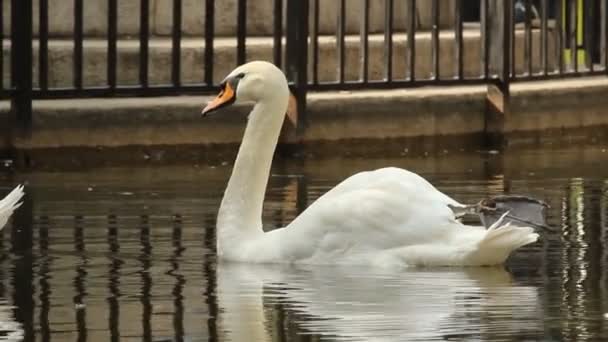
(192,58)
(259,17)
(95,18)
(338,116)
(574,103)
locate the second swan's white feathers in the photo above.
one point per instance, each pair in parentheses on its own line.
(9,204)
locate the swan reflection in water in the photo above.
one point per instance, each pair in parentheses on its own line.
(10,329)
(359,304)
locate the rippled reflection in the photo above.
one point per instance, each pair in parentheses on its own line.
(357,304)
(128,255)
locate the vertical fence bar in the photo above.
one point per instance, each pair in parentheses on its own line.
(340,33)
(604,29)
(21,62)
(435,39)
(544,37)
(176,43)
(512,67)
(560,34)
(411,39)
(144,33)
(589,43)
(78,36)
(364,39)
(112,37)
(241,31)
(43,50)
(297,54)
(2,44)
(277,48)
(528,37)
(505,25)
(484,39)
(573,20)
(388,40)
(458,39)
(209,33)
(314,41)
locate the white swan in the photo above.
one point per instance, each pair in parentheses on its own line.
(388,217)
(9,204)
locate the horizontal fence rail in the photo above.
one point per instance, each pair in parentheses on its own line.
(150,50)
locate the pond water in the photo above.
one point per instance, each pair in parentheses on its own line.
(128,254)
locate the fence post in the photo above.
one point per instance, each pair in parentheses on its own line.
(296,63)
(499,27)
(21,63)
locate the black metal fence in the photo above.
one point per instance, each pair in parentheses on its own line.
(518,40)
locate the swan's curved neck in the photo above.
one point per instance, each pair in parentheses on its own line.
(240,214)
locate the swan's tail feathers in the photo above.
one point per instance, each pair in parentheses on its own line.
(500,240)
(9,204)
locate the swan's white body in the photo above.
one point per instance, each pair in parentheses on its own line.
(9,204)
(388,217)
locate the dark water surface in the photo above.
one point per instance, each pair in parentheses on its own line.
(128,254)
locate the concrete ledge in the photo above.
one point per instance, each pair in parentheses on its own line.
(537,108)
(574,103)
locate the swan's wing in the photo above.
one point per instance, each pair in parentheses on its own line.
(376,210)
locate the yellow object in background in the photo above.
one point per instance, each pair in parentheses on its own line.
(580,24)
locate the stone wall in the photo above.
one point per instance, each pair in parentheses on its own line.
(259,16)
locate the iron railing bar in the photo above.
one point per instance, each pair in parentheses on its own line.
(398,83)
(112,37)
(435,38)
(388,40)
(314,41)
(277,48)
(528,37)
(560,35)
(43,50)
(512,37)
(604,28)
(411,39)
(485,55)
(144,33)
(78,37)
(209,33)
(2,45)
(557,76)
(241,31)
(544,37)
(340,33)
(589,34)
(458,39)
(21,63)
(364,39)
(573,19)
(176,42)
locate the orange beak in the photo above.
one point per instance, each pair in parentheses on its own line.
(224,98)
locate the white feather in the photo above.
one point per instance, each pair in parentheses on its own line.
(9,204)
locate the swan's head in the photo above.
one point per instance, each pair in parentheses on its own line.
(251,82)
